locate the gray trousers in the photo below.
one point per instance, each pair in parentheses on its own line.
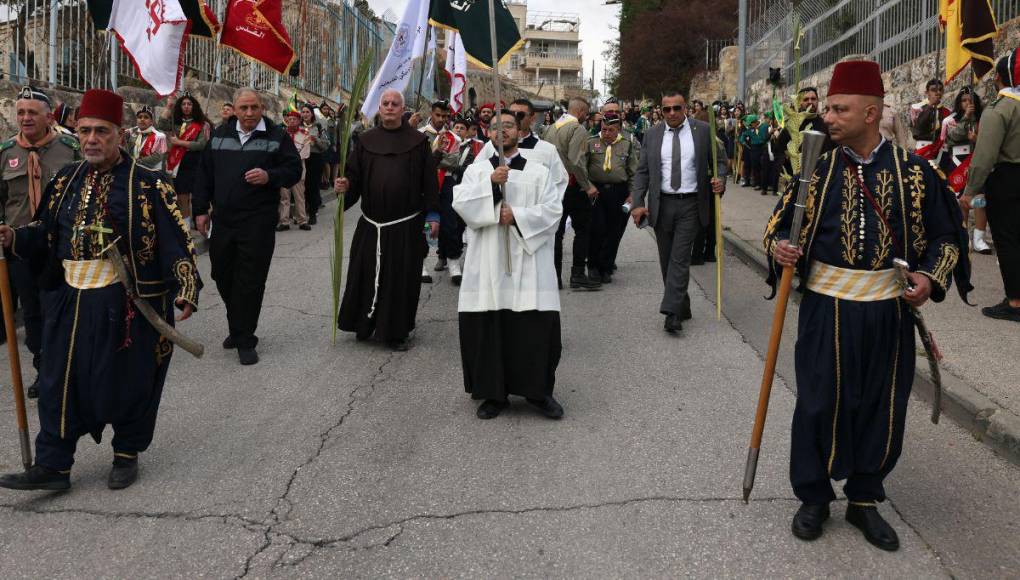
(675,229)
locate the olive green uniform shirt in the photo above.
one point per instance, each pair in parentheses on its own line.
(998,141)
(623,160)
(17,209)
(571,139)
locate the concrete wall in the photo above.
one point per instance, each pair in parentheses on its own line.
(904,84)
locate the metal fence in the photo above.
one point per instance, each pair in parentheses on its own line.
(54,41)
(892,32)
(712,49)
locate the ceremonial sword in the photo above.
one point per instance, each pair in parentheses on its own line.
(150,314)
(931,350)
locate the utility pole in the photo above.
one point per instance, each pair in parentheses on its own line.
(742,57)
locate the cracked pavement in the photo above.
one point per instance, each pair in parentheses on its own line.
(354,461)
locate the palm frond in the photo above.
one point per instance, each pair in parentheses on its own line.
(336,254)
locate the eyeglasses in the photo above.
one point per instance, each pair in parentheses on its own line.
(677,108)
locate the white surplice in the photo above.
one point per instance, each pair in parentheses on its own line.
(537,207)
(544,153)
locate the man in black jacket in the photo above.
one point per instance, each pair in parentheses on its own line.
(247,161)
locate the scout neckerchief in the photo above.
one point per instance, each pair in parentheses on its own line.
(607,165)
(35,165)
(189,131)
(145,141)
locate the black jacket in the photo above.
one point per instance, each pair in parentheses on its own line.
(220,180)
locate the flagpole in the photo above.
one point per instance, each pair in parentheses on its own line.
(424,62)
(498,121)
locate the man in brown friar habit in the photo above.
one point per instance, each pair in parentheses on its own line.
(869,202)
(104,362)
(393,172)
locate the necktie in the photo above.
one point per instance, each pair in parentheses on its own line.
(674,178)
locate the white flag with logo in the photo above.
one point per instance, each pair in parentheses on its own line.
(154,33)
(408,44)
(456,69)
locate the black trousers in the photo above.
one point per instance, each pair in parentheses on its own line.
(451,227)
(608,223)
(576,206)
(510,353)
(24,284)
(752,164)
(313,183)
(704,242)
(1003,195)
(240,255)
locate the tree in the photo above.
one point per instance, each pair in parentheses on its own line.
(662,42)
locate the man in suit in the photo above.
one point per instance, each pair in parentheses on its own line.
(673,191)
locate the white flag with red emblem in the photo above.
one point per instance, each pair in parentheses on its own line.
(154,33)
(456,69)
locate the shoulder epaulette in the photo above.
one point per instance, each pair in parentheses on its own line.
(70,142)
(7,145)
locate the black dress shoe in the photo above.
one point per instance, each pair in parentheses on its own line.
(228,343)
(607,278)
(123,473)
(401,345)
(33,389)
(247,356)
(585,282)
(807,522)
(548,407)
(305,227)
(313,219)
(672,324)
(490,409)
(1002,311)
(876,530)
(282,228)
(37,477)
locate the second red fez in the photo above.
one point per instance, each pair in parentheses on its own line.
(857,77)
(102,104)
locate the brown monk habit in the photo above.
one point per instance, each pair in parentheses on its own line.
(393,173)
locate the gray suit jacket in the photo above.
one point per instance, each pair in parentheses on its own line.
(647,183)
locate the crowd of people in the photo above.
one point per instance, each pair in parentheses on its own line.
(496,192)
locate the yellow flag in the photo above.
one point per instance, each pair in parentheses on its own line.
(956,57)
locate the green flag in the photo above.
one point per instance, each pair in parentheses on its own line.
(100,10)
(471,19)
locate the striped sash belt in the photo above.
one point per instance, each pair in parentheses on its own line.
(856,285)
(89,274)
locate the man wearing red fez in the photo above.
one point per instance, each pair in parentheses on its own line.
(869,202)
(105,364)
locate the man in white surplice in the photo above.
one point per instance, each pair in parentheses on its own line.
(509,322)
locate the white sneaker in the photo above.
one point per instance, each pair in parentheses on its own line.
(455,272)
(980,246)
(426,278)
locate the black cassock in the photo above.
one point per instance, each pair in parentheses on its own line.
(393,173)
(102,362)
(854,357)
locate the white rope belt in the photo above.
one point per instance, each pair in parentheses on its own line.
(856,285)
(378,251)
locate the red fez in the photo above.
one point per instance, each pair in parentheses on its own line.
(292,114)
(491,106)
(102,104)
(857,77)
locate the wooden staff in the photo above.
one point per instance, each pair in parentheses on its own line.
(718,219)
(12,353)
(810,151)
(498,121)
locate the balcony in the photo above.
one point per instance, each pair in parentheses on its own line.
(542,59)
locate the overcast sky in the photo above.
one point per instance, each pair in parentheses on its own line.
(598,25)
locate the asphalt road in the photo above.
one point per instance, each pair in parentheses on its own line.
(353,461)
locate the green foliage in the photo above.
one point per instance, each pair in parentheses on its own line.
(336,253)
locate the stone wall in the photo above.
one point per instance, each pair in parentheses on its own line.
(134,97)
(904,84)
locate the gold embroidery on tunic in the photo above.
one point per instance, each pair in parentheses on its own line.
(848,219)
(883,197)
(169,197)
(915,181)
(184,271)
